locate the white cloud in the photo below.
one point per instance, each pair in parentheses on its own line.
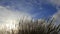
(8,16)
(57,17)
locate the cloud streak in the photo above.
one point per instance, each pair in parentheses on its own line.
(8,15)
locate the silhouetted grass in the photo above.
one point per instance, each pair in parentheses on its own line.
(39,27)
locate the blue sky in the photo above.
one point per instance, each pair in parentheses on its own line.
(37,8)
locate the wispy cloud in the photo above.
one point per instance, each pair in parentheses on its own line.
(8,15)
(27,6)
(56,16)
(30,6)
